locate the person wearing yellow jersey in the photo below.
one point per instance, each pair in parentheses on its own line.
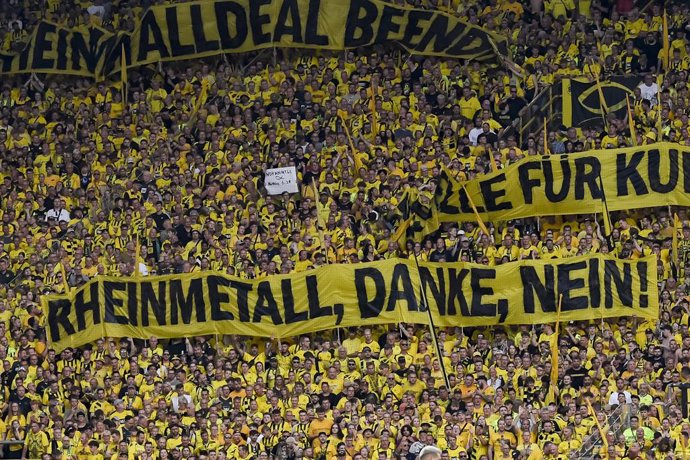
(610,139)
(15,432)
(527,249)
(501,436)
(504,452)
(508,250)
(155,96)
(36,443)
(550,251)
(513,6)
(454,450)
(527,448)
(569,443)
(413,384)
(469,104)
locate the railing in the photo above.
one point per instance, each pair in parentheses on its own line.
(646,6)
(617,422)
(547,104)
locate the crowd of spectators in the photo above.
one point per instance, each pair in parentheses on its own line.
(178,170)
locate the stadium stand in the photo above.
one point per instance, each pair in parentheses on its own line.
(170,181)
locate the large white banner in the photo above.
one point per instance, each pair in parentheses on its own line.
(279,180)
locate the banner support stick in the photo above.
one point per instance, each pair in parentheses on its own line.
(432,327)
(605,211)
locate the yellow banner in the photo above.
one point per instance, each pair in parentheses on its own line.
(632,178)
(208,28)
(524,292)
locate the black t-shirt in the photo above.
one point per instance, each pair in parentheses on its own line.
(577,376)
(159,218)
(183,235)
(651,50)
(24,403)
(6,276)
(431,98)
(437,255)
(491,137)
(504,118)
(515,104)
(310,177)
(442,111)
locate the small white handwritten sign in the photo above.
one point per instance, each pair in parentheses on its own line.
(279,180)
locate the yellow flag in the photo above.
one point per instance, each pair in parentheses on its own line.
(476,213)
(607,222)
(494,166)
(123,74)
(374,115)
(590,409)
(358,160)
(137,254)
(65,284)
(554,351)
(203,94)
(631,122)
(675,237)
(667,47)
(518,71)
(400,235)
(319,220)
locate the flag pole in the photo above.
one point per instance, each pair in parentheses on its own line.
(631,122)
(432,327)
(666,45)
(476,213)
(605,211)
(590,409)
(123,74)
(553,381)
(137,252)
(374,115)
(494,166)
(674,247)
(602,101)
(659,119)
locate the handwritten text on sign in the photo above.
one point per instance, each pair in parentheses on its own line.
(280,180)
